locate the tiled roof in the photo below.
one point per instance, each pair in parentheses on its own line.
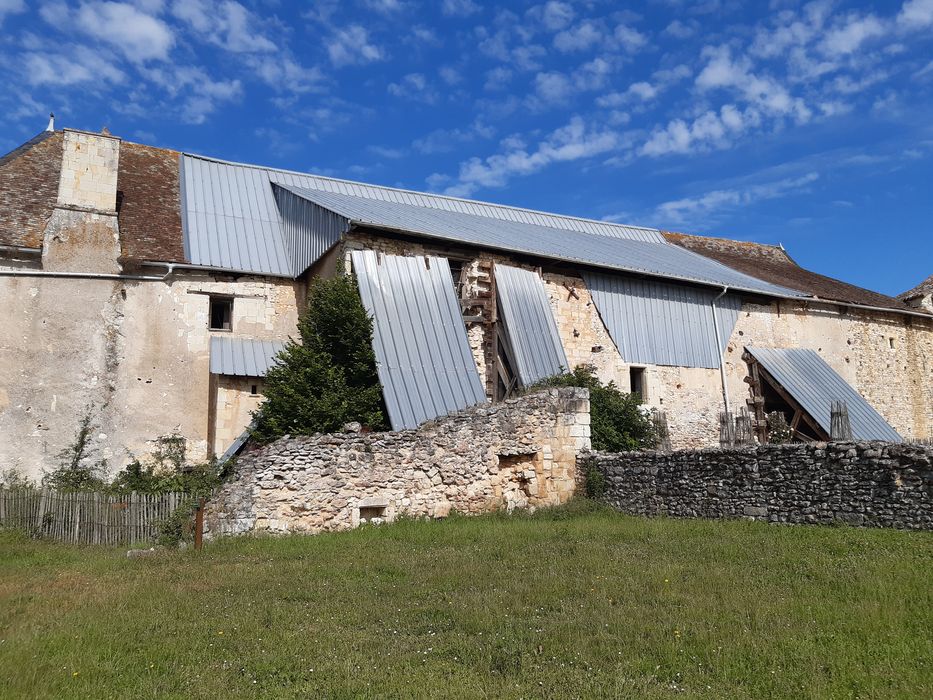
(29,189)
(149,208)
(773,264)
(922,289)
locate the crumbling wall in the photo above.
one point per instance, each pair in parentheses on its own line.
(859,483)
(516,454)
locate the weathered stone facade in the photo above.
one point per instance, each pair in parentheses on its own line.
(861,483)
(516,454)
(136,354)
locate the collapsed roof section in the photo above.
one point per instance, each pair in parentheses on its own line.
(810,385)
(423,356)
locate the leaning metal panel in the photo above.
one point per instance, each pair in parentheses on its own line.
(529,324)
(424,360)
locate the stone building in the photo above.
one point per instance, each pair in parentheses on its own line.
(921,296)
(150,290)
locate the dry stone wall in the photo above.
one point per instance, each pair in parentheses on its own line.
(516,454)
(859,483)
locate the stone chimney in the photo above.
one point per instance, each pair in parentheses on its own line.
(82,235)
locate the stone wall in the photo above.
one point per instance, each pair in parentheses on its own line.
(515,454)
(137,353)
(860,483)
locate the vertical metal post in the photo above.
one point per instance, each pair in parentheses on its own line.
(719,351)
(199,524)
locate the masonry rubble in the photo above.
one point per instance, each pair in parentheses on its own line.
(521,453)
(859,483)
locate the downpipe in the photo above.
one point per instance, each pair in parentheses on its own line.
(719,350)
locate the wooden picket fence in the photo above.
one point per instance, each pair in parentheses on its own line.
(88,517)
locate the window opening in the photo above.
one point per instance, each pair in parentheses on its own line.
(221,314)
(637,382)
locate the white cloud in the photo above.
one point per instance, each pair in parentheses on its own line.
(459,8)
(682,30)
(450,75)
(710,130)
(696,209)
(351,46)
(579,38)
(285,73)
(137,35)
(848,36)
(497,78)
(916,14)
(553,87)
(575,141)
(77,65)
(11,7)
(385,7)
(413,86)
(445,140)
(723,72)
(629,39)
(225,23)
(556,15)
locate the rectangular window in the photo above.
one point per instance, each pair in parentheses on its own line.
(637,382)
(221,314)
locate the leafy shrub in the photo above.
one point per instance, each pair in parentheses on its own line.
(594,485)
(617,421)
(80,468)
(330,378)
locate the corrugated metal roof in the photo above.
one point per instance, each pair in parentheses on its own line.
(225,169)
(815,385)
(243,357)
(529,324)
(424,361)
(660,323)
(646,257)
(309,230)
(231,220)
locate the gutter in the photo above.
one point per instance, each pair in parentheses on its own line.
(719,350)
(83,275)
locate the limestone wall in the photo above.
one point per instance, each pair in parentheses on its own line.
(897,381)
(515,454)
(872,484)
(136,353)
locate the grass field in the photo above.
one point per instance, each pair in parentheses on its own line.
(569,603)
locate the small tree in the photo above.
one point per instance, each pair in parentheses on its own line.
(330,378)
(617,421)
(80,468)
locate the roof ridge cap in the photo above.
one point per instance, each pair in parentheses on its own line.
(424,194)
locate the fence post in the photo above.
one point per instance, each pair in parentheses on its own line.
(199,525)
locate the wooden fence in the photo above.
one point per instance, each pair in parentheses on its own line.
(88,517)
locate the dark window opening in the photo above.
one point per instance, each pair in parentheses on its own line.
(456,269)
(254,390)
(637,382)
(221,314)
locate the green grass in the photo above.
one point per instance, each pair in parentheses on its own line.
(568,603)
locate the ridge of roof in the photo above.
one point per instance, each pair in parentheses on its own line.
(773,264)
(419,193)
(925,287)
(23,147)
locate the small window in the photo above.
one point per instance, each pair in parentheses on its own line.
(254,390)
(637,382)
(891,343)
(221,314)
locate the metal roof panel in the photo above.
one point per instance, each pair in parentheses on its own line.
(425,364)
(243,357)
(815,385)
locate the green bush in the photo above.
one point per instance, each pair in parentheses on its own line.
(594,485)
(80,469)
(617,421)
(330,378)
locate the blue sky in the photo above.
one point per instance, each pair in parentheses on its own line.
(807,124)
